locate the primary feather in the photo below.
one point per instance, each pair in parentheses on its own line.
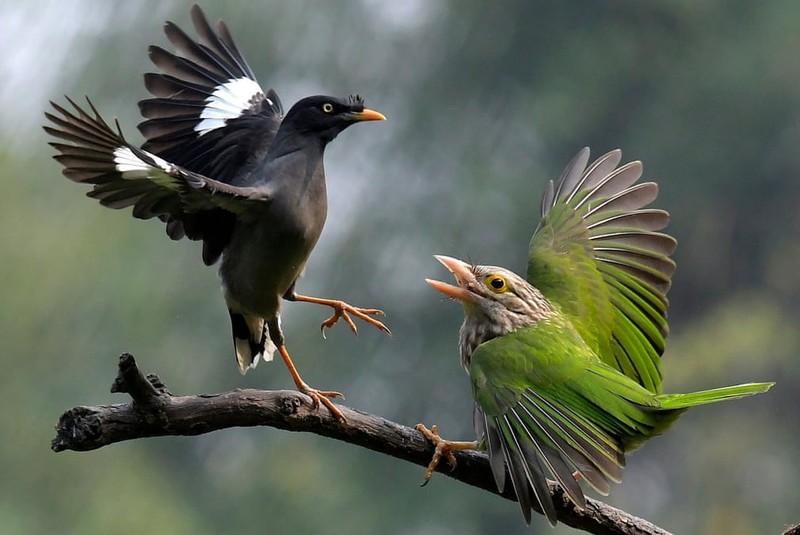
(597,253)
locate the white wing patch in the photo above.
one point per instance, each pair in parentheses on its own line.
(227,102)
(132,167)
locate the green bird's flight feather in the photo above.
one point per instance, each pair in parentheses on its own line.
(598,256)
(548,405)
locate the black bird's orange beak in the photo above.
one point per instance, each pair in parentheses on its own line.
(368,115)
(463,274)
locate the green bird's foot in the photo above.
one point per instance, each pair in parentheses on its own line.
(444,448)
(342,310)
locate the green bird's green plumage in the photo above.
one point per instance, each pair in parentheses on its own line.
(564,366)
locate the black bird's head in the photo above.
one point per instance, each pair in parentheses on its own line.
(325,116)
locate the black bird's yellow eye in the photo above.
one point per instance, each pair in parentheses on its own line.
(497,283)
(327,107)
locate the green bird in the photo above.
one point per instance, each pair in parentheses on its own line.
(564,366)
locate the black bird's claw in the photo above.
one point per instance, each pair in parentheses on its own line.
(342,310)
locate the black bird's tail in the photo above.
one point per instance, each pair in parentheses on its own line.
(250,340)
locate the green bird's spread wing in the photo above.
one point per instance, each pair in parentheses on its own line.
(598,256)
(546,406)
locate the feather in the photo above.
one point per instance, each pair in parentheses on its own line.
(493,447)
(517,468)
(614,183)
(596,172)
(646,220)
(572,174)
(529,431)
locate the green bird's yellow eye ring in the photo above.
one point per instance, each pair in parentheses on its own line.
(496,283)
(327,107)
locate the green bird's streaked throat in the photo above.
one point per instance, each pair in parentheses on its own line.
(495,300)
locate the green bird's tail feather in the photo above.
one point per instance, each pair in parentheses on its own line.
(684,401)
(671,406)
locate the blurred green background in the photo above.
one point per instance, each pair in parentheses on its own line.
(486,101)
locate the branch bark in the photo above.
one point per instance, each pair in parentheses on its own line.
(154,411)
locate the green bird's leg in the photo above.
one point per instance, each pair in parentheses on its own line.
(444,448)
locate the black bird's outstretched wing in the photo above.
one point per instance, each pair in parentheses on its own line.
(124,175)
(209,114)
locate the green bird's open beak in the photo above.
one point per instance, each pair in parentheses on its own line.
(368,115)
(463,274)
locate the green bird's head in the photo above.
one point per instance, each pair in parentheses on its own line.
(496,301)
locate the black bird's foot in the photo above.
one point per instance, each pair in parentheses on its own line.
(317,396)
(323,396)
(342,310)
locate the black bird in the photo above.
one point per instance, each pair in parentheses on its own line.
(223,165)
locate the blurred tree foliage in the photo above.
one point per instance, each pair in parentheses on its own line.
(486,101)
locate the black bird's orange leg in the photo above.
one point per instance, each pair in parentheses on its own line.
(318,396)
(343,310)
(444,448)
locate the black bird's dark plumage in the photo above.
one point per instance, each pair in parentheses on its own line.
(223,165)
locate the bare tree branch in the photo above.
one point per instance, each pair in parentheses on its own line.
(155,411)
